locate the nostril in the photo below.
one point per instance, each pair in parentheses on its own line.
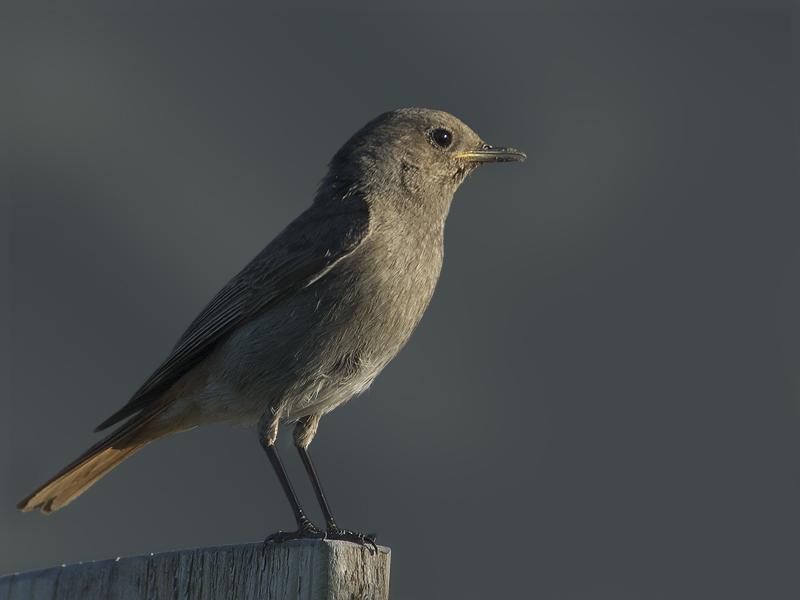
(486,147)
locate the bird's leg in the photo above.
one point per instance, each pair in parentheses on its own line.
(305,528)
(303,434)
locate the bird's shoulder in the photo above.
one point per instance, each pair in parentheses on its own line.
(313,242)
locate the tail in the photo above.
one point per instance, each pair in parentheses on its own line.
(83,472)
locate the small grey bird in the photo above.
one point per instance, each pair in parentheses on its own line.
(314,318)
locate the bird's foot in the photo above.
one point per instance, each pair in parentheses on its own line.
(306,531)
(363,539)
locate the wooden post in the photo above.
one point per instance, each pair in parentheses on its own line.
(296,570)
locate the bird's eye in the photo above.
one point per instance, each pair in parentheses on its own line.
(441,137)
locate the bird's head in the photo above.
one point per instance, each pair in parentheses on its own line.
(415,154)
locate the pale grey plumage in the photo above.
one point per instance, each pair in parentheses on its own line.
(314,318)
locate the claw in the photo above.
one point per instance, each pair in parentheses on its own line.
(308,531)
(367,540)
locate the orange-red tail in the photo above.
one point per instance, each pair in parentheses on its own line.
(88,468)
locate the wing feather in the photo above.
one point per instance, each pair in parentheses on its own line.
(302,254)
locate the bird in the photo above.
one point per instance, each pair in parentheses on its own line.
(314,318)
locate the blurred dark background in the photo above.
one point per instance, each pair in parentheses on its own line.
(602,401)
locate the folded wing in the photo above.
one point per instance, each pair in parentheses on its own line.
(302,254)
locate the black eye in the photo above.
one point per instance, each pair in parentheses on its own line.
(441,137)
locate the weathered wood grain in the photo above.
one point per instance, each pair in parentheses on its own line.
(298,570)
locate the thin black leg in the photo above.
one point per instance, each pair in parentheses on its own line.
(305,528)
(333,532)
(312,474)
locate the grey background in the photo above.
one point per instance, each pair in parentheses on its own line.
(602,400)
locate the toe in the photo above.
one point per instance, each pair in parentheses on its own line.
(362,539)
(308,531)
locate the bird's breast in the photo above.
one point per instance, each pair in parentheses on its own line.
(400,275)
(370,304)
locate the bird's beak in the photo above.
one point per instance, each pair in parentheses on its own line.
(489,153)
